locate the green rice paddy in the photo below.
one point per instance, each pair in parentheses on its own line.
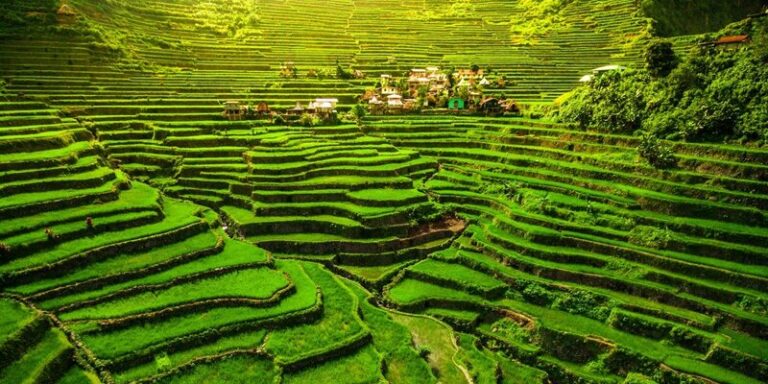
(144,238)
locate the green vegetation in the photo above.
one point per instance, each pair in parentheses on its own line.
(685,17)
(714,94)
(148,238)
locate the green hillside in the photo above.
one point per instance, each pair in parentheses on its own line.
(690,17)
(146,237)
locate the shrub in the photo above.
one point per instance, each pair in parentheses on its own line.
(657,153)
(341,73)
(660,59)
(307,120)
(51,235)
(358,111)
(584,303)
(650,237)
(711,95)
(5,249)
(536,294)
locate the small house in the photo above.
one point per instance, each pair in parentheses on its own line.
(394,103)
(233,110)
(607,68)
(66,14)
(375,105)
(297,110)
(731,42)
(599,71)
(325,107)
(262,109)
(469,76)
(456,103)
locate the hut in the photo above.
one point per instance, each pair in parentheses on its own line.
(395,103)
(233,110)
(731,42)
(262,109)
(66,14)
(375,105)
(297,110)
(325,107)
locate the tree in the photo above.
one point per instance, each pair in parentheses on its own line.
(341,73)
(307,120)
(449,73)
(658,154)
(660,59)
(358,111)
(475,68)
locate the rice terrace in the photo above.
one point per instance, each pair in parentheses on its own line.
(383,191)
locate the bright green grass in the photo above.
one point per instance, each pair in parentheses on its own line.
(177,215)
(714,372)
(374,273)
(481,366)
(31,364)
(361,367)
(15,316)
(55,154)
(25,199)
(437,338)
(233,370)
(338,325)
(457,273)
(514,372)
(77,375)
(116,343)
(409,291)
(241,341)
(120,264)
(393,340)
(140,196)
(254,284)
(458,314)
(386,194)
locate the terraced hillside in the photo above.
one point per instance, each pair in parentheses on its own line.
(145,239)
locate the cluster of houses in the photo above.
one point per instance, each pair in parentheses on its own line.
(430,87)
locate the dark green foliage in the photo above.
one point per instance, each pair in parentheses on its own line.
(657,153)
(341,73)
(358,111)
(580,302)
(538,295)
(27,13)
(612,103)
(713,95)
(650,237)
(307,120)
(660,59)
(686,17)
